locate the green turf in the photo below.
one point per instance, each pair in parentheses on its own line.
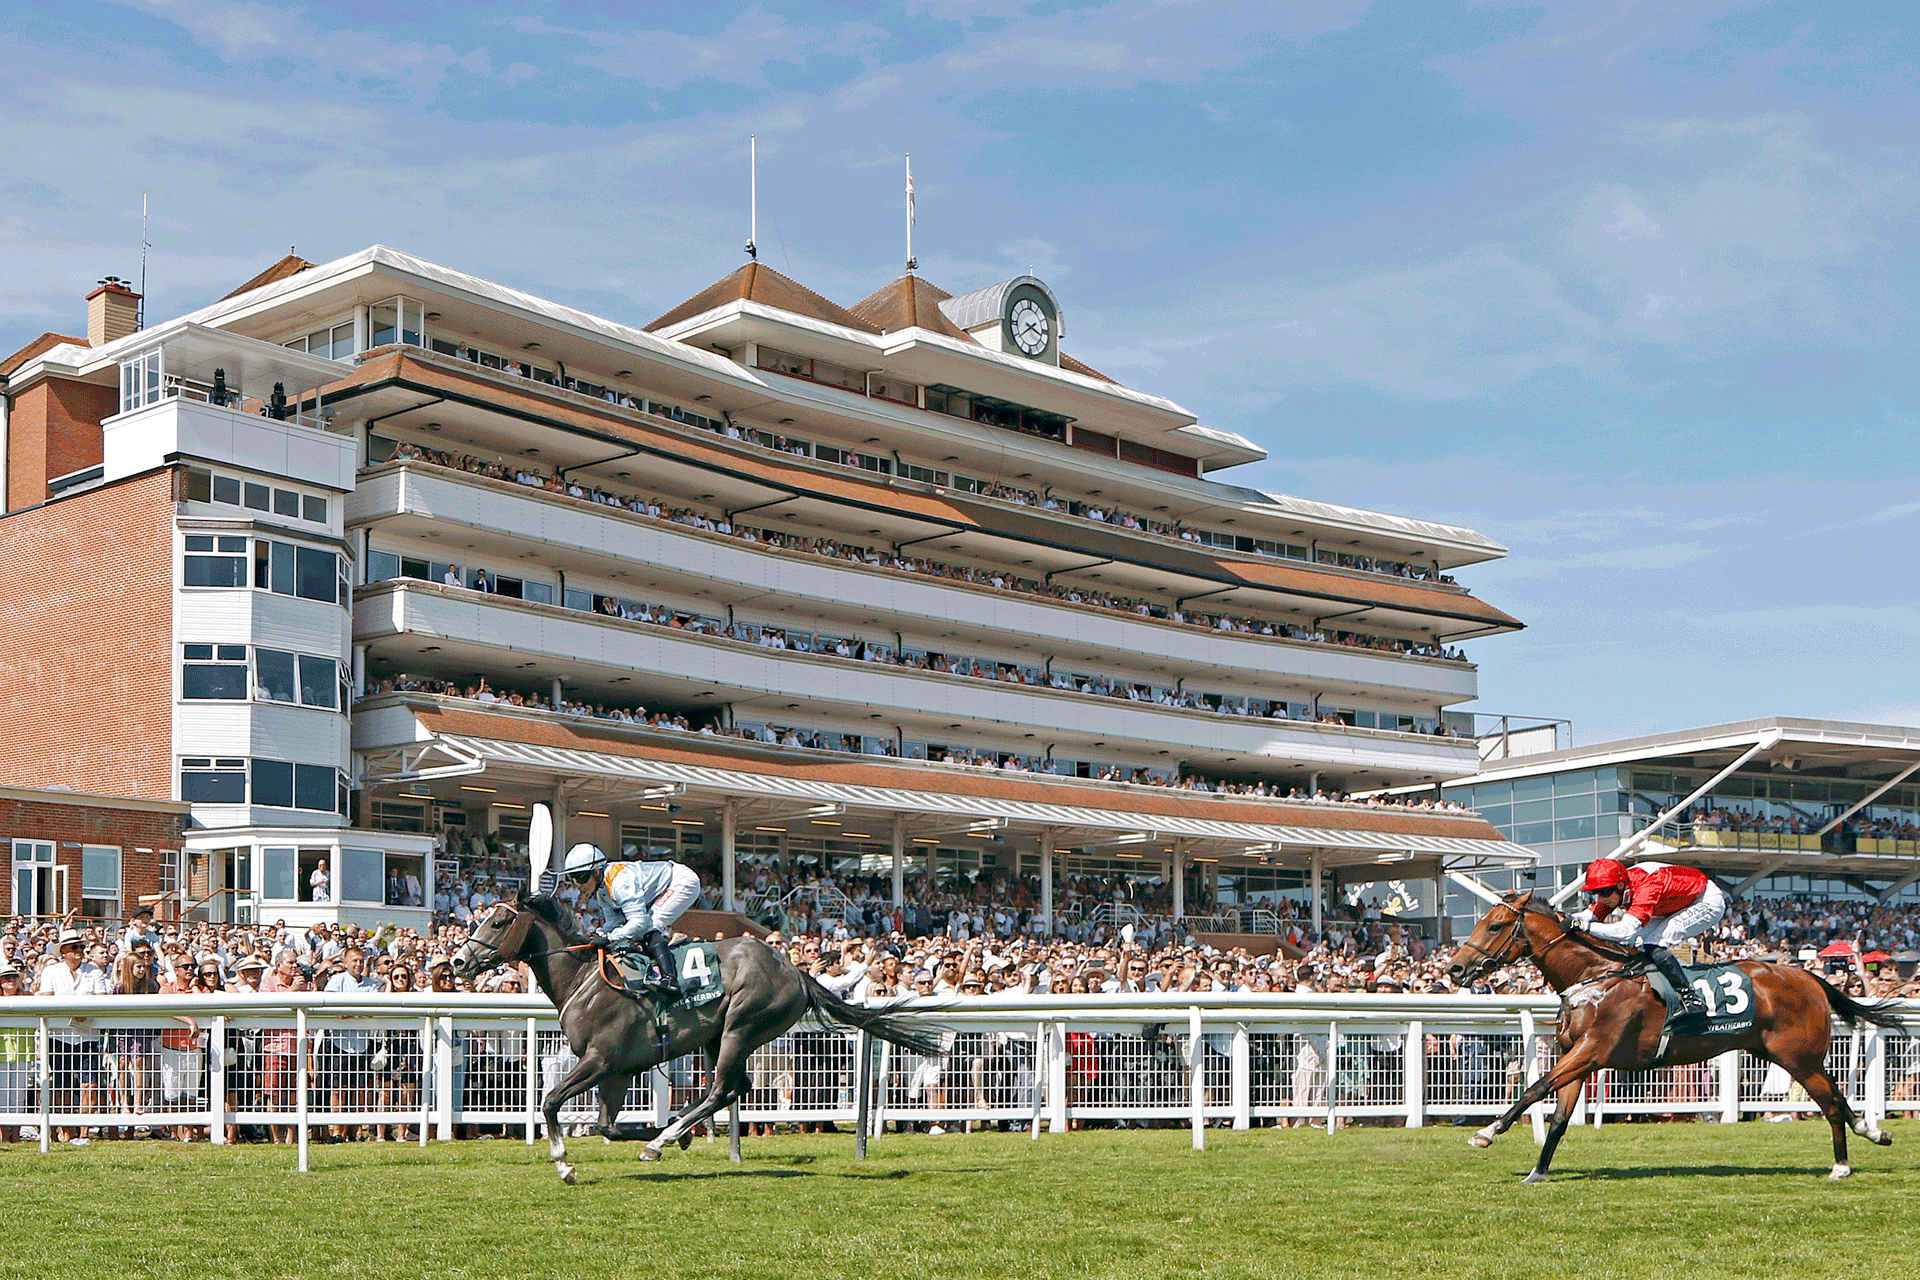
(1692,1202)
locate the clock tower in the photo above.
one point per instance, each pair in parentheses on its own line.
(1020,317)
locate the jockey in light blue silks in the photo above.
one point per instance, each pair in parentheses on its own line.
(637,903)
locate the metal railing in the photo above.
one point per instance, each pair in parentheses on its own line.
(426,1065)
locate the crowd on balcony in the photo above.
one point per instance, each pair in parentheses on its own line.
(998,579)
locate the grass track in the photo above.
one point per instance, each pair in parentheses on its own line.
(1692,1202)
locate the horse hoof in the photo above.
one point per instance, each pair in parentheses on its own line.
(1479,1140)
(650,1154)
(569,1174)
(1535,1176)
(686,1140)
(1880,1138)
(1840,1171)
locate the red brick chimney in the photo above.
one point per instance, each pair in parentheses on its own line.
(113,311)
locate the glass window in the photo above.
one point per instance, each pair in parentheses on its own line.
(286,503)
(1572,806)
(1533,811)
(210,680)
(213,786)
(319,681)
(1573,829)
(199,485)
(538,592)
(100,870)
(312,508)
(279,869)
(313,787)
(362,875)
(382,565)
(319,575)
(1533,833)
(1498,814)
(273,783)
(214,570)
(277,673)
(1532,788)
(256,496)
(226,489)
(1565,784)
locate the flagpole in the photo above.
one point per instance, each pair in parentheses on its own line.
(753,195)
(911,262)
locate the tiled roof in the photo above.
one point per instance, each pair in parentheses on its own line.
(907,303)
(40,345)
(1071,365)
(291,265)
(759,283)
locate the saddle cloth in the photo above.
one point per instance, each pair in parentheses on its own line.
(697,965)
(1726,988)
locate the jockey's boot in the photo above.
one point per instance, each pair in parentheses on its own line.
(661,954)
(1692,1018)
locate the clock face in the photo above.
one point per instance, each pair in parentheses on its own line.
(1029,324)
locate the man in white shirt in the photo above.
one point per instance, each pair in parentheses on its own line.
(346,1060)
(74,1054)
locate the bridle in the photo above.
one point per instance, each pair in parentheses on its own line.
(499,957)
(1512,946)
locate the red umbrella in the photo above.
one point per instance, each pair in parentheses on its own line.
(1837,949)
(1875,957)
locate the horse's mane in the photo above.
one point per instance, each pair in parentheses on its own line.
(557,914)
(1605,946)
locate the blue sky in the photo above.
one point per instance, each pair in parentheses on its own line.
(1629,287)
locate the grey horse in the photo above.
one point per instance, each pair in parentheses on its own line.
(617,1034)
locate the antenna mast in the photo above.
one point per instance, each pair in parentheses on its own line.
(912,262)
(141,321)
(753,195)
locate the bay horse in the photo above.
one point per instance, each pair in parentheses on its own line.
(1609,1019)
(617,1034)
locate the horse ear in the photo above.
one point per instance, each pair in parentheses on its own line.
(520,896)
(1522,901)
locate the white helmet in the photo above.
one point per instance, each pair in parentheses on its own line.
(581,858)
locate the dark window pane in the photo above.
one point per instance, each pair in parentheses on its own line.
(273,783)
(277,676)
(236,546)
(215,571)
(199,485)
(263,564)
(319,576)
(207,681)
(213,788)
(256,496)
(283,568)
(318,681)
(197,542)
(286,503)
(312,508)
(198,652)
(382,565)
(314,784)
(226,489)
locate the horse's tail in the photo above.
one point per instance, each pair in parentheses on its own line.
(828,1007)
(1853,1012)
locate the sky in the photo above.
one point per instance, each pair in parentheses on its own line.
(1628,287)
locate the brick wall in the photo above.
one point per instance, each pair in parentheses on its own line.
(54,429)
(68,826)
(86,679)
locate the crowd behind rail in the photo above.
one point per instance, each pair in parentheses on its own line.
(652,507)
(960,938)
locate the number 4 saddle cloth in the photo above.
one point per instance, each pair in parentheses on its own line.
(1726,989)
(698,966)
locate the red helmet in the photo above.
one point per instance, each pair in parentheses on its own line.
(1604,873)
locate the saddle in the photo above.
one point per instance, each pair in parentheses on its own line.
(1726,988)
(696,964)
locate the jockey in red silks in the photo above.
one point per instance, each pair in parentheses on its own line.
(1660,905)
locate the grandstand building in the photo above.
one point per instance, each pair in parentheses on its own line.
(366,558)
(1768,807)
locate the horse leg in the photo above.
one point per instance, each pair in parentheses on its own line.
(577,1081)
(613,1096)
(1562,1110)
(1833,1105)
(726,1066)
(1575,1066)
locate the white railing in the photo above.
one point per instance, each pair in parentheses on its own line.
(431,1065)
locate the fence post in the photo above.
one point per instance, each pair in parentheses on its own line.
(1040,1059)
(301,1056)
(863,1101)
(1876,1099)
(733,1131)
(217,1082)
(1056,1077)
(1414,1074)
(533,1077)
(1197,1078)
(445,1045)
(660,1081)
(1333,1075)
(1730,1087)
(1530,1072)
(1240,1089)
(46,1092)
(427,1058)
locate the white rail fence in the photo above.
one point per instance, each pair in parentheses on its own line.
(431,1065)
